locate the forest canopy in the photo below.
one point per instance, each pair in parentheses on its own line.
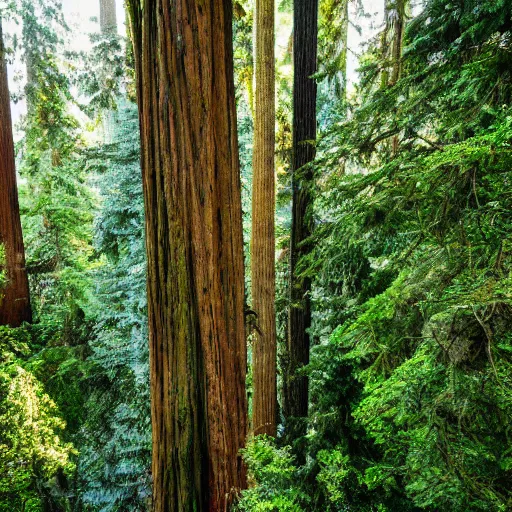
(256,256)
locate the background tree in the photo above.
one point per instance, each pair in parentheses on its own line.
(108,17)
(305,16)
(194,248)
(14,292)
(264,352)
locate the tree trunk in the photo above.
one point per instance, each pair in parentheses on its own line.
(394,14)
(184,65)
(108,17)
(14,296)
(108,27)
(304,135)
(264,354)
(398,39)
(344,54)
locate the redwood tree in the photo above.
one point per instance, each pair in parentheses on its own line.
(184,65)
(264,352)
(305,20)
(14,295)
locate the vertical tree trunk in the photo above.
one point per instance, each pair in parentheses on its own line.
(394,14)
(14,296)
(344,54)
(263,233)
(304,135)
(184,63)
(398,39)
(108,27)
(108,17)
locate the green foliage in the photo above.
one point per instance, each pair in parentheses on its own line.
(410,376)
(273,479)
(411,369)
(55,200)
(100,73)
(114,465)
(32,451)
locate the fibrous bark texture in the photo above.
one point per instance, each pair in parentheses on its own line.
(304,133)
(108,17)
(184,64)
(14,296)
(264,355)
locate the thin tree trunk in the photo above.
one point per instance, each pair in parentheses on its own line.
(184,66)
(394,13)
(264,352)
(398,40)
(344,55)
(14,296)
(108,27)
(304,135)
(108,17)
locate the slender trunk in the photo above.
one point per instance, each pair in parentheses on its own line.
(108,17)
(263,234)
(394,14)
(344,54)
(398,40)
(14,295)
(108,27)
(304,135)
(184,64)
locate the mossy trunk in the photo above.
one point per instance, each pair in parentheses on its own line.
(108,27)
(394,16)
(264,354)
(398,23)
(14,293)
(184,66)
(304,135)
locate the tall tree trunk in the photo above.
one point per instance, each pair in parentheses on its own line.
(394,14)
(108,27)
(184,63)
(344,54)
(14,296)
(108,17)
(398,39)
(304,134)
(263,233)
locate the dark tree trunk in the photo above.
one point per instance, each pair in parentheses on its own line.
(184,64)
(14,295)
(304,134)
(264,353)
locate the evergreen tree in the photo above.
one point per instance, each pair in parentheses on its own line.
(115,454)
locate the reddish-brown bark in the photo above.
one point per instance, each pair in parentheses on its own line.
(184,64)
(264,353)
(14,295)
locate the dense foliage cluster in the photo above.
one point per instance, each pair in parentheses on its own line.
(411,398)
